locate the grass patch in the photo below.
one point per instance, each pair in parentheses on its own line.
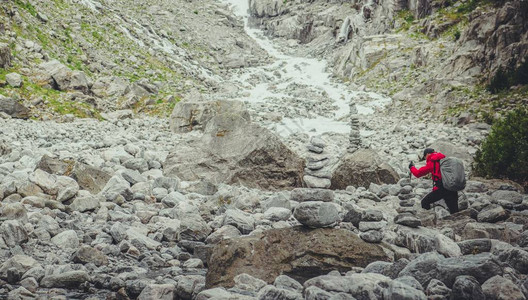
(26,6)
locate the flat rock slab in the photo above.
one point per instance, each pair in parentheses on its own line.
(312,194)
(298,252)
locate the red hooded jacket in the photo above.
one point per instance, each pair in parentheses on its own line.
(432,166)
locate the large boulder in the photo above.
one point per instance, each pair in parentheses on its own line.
(90,178)
(13,108)
(234,150)
(298,252)
(362,168)
(195,114)
(61,78)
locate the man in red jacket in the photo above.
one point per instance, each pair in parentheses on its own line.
(439,192)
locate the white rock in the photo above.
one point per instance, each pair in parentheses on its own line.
(66,239)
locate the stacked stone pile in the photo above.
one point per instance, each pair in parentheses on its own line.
(317,174)
(354,138)
(316,208)
(407,210)
(371,226)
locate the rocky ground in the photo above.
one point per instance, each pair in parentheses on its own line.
(270,179)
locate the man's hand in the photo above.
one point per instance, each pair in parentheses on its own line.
(411,164)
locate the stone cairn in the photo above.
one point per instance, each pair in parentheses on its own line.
(407,212)
(315,208)
(315,174)
(355,138)
(371,226)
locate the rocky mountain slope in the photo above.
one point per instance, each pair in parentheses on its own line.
(271,179)
(437,56)
(117,54)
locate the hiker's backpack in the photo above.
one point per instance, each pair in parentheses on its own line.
(453,175)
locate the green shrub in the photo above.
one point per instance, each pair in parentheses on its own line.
(504,153)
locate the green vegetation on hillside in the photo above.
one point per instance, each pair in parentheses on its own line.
(504,154)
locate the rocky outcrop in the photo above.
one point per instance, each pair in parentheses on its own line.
(13,108)
(234,150)
(297,252)
(493,38)
(193,114)
(362,168)
(61,77)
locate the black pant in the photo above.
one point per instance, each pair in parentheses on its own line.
(451,199)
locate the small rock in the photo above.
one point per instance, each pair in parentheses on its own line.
(372,236)
(14,80)
(408,220)
(87,254)
(66,239)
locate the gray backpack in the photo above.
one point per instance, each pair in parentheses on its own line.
(453,175)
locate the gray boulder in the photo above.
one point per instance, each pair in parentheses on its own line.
(515,257)
(276,214)
(236,151)
(362,168)
(270,292)
(14,80)
(90,178)
(312,194)
(13,233)
(287,283)
(400,291)
(371,236)
(246,282)
(66,239)
(13,108)
(157,291)
(241,220)
(316,214)
(481,266)
(498,287)
(222,233)
(189,286)
(447,246)
(276,200)
(508,196)
(109,86)
(87,254)
(436,289)
(492,213)
(193,227)
(60,77)
(475,246)
(70,279)
(85,203)
(190,115)
(466,288)
(22,263)
(116,186)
